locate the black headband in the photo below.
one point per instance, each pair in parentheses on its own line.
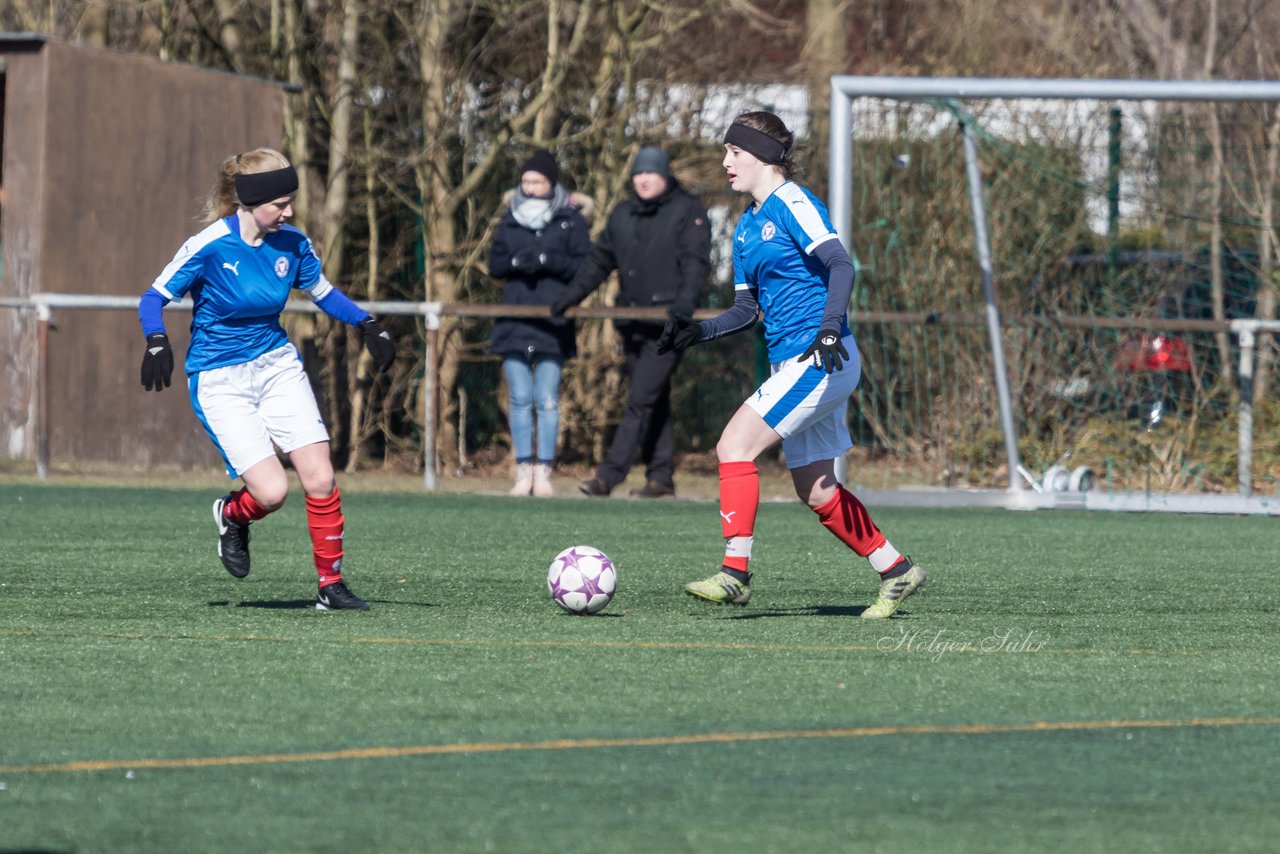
(765,148)
(254,188)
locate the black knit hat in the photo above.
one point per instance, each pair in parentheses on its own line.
(543,163)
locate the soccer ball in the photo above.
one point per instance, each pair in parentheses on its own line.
(582,580)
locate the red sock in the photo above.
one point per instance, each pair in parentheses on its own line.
(242,508)
(739,500)
(325,521)
(845,517)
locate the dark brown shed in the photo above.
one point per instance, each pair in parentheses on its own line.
(104,161)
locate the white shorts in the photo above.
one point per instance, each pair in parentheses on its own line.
(807,406)
(245,408)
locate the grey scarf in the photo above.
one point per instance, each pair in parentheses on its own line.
(534,213)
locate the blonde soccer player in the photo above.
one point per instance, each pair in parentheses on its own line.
(245,379)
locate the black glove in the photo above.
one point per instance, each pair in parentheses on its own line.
(378,342)
(563,303)
(681,308)
(680,332)
(528,260)
(157,362)
(827,351)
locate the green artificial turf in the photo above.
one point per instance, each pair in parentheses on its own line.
(150,702)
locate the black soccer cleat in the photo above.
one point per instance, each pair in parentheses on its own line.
(233,541)
(337,597)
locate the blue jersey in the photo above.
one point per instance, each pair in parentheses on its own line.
(773,248)
(238,291)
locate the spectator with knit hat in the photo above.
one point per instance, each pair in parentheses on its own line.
(539,243)
(659,241)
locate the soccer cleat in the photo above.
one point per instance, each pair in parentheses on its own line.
(894,591)
(721,588)
(233,541)
(337,597)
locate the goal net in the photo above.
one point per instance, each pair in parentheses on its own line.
(1132,261)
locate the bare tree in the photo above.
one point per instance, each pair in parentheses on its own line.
(824,55)
(445,182)
(94,26)
(332,223)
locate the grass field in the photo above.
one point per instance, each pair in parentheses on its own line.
(1069,682)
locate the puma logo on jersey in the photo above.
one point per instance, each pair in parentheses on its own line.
(232,267)
(728,517)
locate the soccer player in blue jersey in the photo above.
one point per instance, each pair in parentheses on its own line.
(245,379)
(791,269)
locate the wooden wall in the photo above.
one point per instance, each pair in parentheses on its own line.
(107,159)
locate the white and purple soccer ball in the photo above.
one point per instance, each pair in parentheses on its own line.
(582,580)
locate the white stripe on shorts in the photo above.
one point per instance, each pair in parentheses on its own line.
(806,406)
(247,408)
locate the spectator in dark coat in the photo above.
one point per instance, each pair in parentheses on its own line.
(659,241)
(538,246)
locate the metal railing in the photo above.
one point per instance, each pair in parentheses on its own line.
(432,313)
(44,305)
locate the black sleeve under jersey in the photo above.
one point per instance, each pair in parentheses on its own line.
(743,314)
(839,283)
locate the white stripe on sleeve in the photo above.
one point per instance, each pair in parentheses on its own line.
(806,215)
(319,289)
(174,270)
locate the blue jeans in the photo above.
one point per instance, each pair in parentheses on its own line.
(534,381)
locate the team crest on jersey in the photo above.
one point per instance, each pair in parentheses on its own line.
(282,266)
(768,231)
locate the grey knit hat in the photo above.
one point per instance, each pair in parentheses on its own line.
(652,159)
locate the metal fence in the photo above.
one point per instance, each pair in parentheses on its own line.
(943,440)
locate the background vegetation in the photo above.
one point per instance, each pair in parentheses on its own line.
(412,115)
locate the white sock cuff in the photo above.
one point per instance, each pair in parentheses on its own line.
(738,547)
(883,558)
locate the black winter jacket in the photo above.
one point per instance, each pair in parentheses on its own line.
(556,250)
(661,249)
